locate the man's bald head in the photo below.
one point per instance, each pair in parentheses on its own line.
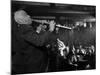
(21,17)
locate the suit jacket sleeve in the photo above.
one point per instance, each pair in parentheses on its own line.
(30,35)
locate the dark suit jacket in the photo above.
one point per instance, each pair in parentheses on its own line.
(27,49)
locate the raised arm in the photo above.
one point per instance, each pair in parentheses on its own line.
(31,36)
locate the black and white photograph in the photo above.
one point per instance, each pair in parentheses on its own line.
(52,37)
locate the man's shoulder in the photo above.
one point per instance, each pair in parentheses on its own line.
(25,28)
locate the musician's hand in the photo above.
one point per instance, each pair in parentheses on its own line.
(21,17)
(52,25)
